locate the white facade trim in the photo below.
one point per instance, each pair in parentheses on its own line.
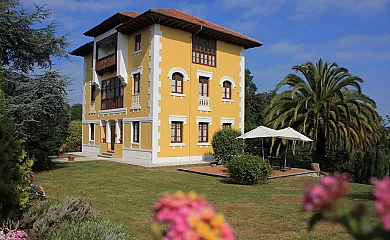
(122,57)
(137,154)
(91,121)
(185,159)
(242,91)
(177,145)
(200,73)
(90,148)
(178,70)
(227,120)
(228,101)
(155,84)
(137,119)
(229,79)
(94,133)
(136,70)
(132,133)
(137,52)
(204,144)
(208,120)
(174,118)
(112,111)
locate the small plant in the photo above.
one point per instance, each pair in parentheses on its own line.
(226,145)
(323,200)
(248,169)
(44,216)
(97,229)
(36,193)
(74,140)
(189,216)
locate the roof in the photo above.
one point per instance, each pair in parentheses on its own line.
(111,22)
(83,50)
(187,22)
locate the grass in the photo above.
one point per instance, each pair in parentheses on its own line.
(125,194)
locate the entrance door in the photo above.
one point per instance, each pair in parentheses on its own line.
(113,134)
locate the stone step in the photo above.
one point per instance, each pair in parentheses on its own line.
(110,151)
(104,156)
(108,154)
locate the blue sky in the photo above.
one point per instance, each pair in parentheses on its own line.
(353,33)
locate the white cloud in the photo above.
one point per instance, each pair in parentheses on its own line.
(197,9)
(360,40)
(362,55)
(74,5)
(285,47)
(253,7)
(244,27)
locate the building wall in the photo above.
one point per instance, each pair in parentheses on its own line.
(177,53)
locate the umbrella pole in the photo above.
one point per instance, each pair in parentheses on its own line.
(285,155)
(262,146)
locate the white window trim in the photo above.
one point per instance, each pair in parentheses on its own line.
(227,120)
(177,145)
(227,100)
(113,111)
(175,118)
(229,79)
(180,95)
(137,52)
(178,70)
(132,134)
(136,70)
(208,120)
(200,73)
(204,144)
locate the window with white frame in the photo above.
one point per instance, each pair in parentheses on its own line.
(136,132)
(92,132)
(227,90)
(203,132)
(177,83)
(226,125)
(176,132)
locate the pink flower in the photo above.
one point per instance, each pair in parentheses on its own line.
(382,200)
(191,217)
(16,235)
(322,196)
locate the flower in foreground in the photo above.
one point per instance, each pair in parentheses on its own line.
(16,235)
(325,195)
(191,217)
(382,200)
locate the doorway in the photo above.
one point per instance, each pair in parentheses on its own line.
(113,136)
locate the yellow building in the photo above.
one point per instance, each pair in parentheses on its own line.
(157,85)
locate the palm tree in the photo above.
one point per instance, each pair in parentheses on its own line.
(326,105)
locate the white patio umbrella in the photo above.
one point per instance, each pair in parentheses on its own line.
(260,132)
(291,134)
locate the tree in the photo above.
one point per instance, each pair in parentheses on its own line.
(35,102)
(76,112)
(74,139)
(326,105)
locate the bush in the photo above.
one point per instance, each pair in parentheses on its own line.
(226,145)
(248,169)
(100,229)
(45,216)
(74,139)
(36,193)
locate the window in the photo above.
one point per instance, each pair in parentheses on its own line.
(176,132)
(135,132)
(137,81)
(226,125)
(204,51)
(92,132)
(227,90)
(93,93)
(203,135)
(112,93)
(137,42)
(177,83)
(203,86)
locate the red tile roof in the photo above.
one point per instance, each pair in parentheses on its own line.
(110,23)
(129,14)
(192,19)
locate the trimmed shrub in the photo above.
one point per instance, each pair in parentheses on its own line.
(74,139)
(248,169)
(86,230)
(226,145)
(44,216)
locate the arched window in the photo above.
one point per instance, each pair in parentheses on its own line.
(177,83)
(227,90)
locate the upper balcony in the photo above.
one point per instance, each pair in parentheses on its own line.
(106,55)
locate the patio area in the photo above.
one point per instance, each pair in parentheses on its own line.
(221,171)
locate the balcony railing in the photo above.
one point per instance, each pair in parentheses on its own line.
(112,103)
(204,103)
(136,101)
(106,64)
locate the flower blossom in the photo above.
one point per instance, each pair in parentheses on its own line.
(190,217)
(323,196)
(16,235)
(382,200)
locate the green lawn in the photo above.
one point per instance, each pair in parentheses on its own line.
(125,194)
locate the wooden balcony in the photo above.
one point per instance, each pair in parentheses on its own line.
(106,64)
(112,103)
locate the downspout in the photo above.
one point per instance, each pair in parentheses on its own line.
(190,97)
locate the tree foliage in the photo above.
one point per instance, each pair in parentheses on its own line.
(76,111)
(326,105)
(74,138)
(226,145)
